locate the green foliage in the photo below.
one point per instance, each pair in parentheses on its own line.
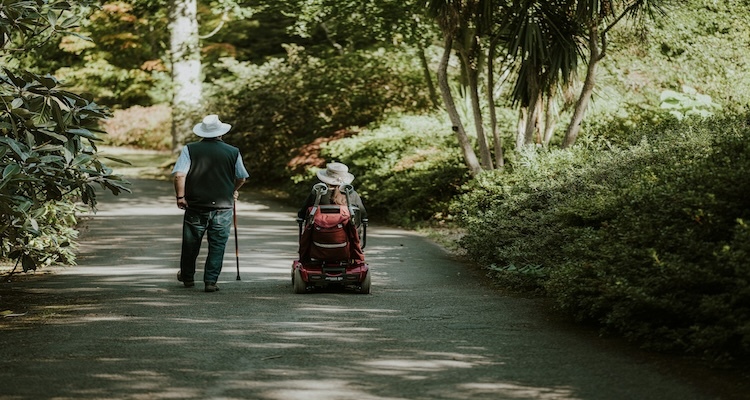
(407,168)
(118,87)
(48,159)
(687,103)
(126,61)
(700,44)
(648,240)
(526,278)
(47,156)
(25,25)
(285,104)
(352,23)
(119,60)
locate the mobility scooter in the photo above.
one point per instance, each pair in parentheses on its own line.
(331,240)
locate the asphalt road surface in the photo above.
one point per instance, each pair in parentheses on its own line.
(120,326)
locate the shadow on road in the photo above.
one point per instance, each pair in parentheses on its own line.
(119,325)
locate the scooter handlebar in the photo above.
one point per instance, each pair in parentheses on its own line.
(346,188)
(320,189)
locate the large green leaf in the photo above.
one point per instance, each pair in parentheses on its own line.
(82,159)
(54,135)
(84,132)
(10,170)
(48,81)
(14,79)
(17,147)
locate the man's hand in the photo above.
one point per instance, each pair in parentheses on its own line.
(236,195)
(182,203)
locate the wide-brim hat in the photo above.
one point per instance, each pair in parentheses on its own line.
(211,127)
(335,174)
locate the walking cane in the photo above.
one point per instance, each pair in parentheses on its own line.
(236,242)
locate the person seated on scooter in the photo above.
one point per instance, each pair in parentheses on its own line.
(334,175)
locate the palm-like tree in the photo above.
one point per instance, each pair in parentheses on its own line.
(546,39)
(596,18)
(543,38)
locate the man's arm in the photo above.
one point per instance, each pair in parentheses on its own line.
(179,173)
(179,189)
(241,175)
(237,185)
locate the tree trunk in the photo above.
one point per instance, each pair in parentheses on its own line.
(470,157)
(521,128)
(428,76)
(538,121)
(588,89)
(550,119)
(485,156)
(533,117)
(498,141)
(187,93)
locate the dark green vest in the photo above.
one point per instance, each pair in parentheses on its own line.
(210,180)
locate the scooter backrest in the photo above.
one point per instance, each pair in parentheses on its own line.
(332,215)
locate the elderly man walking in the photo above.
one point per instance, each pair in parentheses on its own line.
(207,176)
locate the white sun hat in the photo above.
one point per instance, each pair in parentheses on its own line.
(335,174)
(211,127)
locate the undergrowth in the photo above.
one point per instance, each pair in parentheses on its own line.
(649,240)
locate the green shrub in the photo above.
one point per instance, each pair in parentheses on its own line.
(48,163)
(648,240)
(286,104)
(48,156)
(49,239)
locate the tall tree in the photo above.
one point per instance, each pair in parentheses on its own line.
(467,149)
(597,18)
(544,39)
(497,139)
(448,17)
(186,68)
(466,25)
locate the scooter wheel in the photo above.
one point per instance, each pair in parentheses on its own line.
(365,286)
(300,287)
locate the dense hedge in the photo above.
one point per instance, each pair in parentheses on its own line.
(650,240)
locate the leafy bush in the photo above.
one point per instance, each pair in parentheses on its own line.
(48,162)
(287,103)
(48,157)
(648,240)
(687,103)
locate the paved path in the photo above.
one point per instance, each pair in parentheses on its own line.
(122,327)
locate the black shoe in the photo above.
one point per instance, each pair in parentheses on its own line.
(211,287)
(186,283)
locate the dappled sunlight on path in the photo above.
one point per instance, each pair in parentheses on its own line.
(121,326)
